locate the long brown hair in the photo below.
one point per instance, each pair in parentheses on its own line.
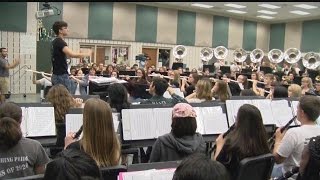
(99,138)
(61,100)
(204,89)
(249,130)
(222,91)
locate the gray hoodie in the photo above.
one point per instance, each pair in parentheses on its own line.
(170,148)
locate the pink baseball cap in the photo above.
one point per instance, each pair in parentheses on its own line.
(183,110)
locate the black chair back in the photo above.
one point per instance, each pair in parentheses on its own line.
(154,165)
(256,168)
(38,177)
(111,173)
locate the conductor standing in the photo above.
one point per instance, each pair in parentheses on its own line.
(59,54)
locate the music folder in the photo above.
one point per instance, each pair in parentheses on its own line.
(176,65)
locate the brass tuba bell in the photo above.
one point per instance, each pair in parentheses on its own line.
(220,52)
(179,52)
(256,55)
(311,60)
(292,55)
(240,55)
(206,54)
(275,56)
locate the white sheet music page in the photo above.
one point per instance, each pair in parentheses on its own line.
(294,107)
(163,118)
(126,127)
(23,124)
(214,120)
(41,121)
(233,107)
(281,111)
(143,125)
(116,118)
(152,174)
(199,118)
(73,122)
(264,105)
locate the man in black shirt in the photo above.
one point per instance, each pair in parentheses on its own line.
(59,53)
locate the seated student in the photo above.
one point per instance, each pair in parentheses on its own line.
(157,88)
(278,92)
(82,83)
(183,140)
(289,144)
(99,139)
(118,97)
(45,82)
(188,86)
(310,161)
(200,167)
(294,90)
(249,130)
(62,101)
(19,156)
(72,164)
(220,91)
(202,92)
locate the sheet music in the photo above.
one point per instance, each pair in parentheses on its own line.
(152,174)
(233,107)
(23,124)
(281,111)
(264,105)
(142,124)
(163,118)
(73,122)
(214,120)
(41,121)
(199,118)
(294,106)
(126,127)
(116,121)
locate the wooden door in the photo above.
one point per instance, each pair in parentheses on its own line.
(152,53)
(100,55)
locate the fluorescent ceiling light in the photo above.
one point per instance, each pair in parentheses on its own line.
(236,11)
(265,17)
(201,5)
(235,5)
(270,6)
(267,12)
(305,6)
(299,12)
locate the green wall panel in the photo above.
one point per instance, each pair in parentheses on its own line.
(186,30)
(249,35)
(100,20)
(220,31)
(146,23)
(13,16)
(277,36)
(310,39)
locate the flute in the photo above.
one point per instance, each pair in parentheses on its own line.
(288,174)
(257,81)
(78,133)
(123,76)
(38,72)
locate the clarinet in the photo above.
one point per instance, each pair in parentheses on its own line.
(213,149)
(286,127)
(288,174)
(78,133)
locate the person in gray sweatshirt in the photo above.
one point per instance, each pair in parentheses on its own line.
(183,140)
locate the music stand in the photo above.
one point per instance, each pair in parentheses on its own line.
(246,71)
(266,70)
(176,65)
(225,69)
(210,67)
(127,73)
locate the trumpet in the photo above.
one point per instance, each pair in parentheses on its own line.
(285,78)
(271,140)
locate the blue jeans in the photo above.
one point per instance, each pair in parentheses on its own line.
(64,80)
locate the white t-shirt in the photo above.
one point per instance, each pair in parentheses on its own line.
(293,143)
(45,82)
